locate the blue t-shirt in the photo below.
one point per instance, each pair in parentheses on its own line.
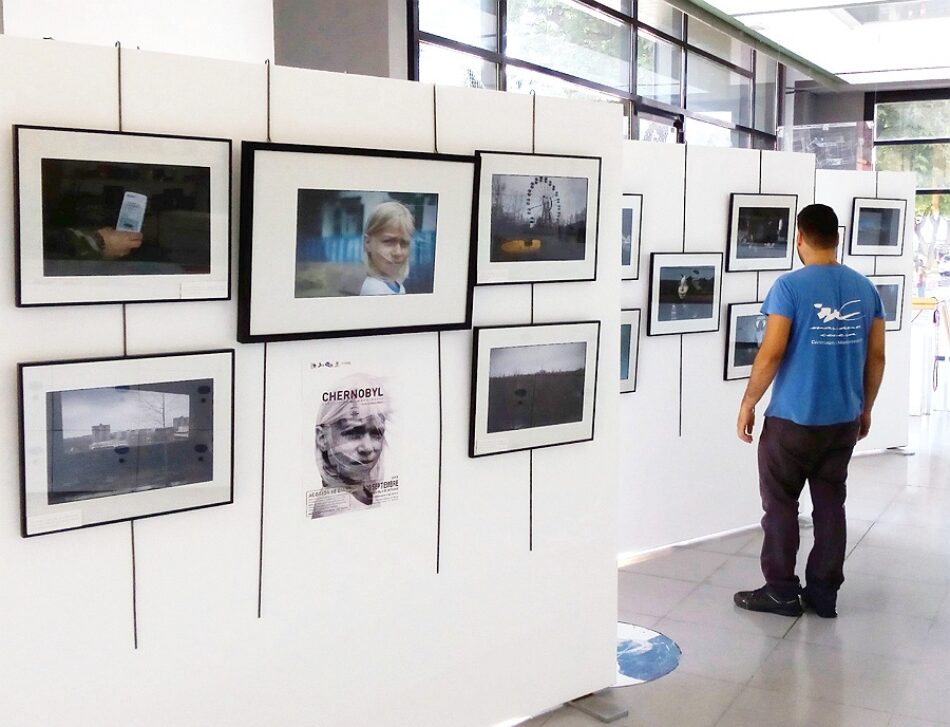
(821,378)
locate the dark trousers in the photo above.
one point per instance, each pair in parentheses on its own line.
(790,453)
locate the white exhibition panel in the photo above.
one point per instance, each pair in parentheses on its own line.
(349,602)
(66,606)
(680,454)
(208,557)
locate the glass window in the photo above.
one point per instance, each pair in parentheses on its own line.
(928,161)
(474,22)
(703,134)
(931,242)
(521,80)
(452,68)
(716,91)
(655,128)
(659,69)
(658,14)
(760,141)
(719,44)
(912,120)
(572,38)
(766,80)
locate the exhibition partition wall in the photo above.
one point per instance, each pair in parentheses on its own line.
(839,190)
(684,472)
(484,592)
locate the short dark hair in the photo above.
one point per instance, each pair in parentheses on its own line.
(818,224)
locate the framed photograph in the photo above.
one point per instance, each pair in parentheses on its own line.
(533,386)
(345,242)
(112,439)
(115,217)
(629,349)
(537,217)
(746,329)
(877,226)
(685,290)
(891,290)
(631,225)
(842,237)
(761,231)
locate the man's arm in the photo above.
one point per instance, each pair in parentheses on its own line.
(873,373)
(777,331)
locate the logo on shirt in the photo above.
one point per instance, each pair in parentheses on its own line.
(826,314)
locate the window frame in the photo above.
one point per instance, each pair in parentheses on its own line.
(632,102)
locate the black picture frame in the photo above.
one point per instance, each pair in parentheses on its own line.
(663,321)
(893,303)
(535,203)
(735,369)
(82,195)
(498,422)
(634,203)
(630,317)
(783,209)
(877,213)
(281,183)
(106,476)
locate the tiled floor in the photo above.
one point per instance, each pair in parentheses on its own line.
(885,661)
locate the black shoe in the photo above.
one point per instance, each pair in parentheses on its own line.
(765,599)
(824,610)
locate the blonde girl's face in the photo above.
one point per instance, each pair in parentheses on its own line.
(388,250)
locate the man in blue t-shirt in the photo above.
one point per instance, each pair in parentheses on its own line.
(824,348)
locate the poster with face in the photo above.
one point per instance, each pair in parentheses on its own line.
(349,420)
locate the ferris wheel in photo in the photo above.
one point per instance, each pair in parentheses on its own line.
(543,203)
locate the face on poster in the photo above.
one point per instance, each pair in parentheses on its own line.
(350,421)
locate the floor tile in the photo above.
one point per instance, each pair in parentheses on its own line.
(637,619)
(815,672)
(740,572)
(678,700)
(892,562)
(730,544)
(928,697)
(713,606)
(649,594)
(906,597)
(934,539)
(900,721)
(873,632)
(782,709)
(684,564)
(716,652)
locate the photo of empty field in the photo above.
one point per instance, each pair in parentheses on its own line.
(536,386)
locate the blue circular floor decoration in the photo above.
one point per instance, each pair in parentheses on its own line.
(643,655)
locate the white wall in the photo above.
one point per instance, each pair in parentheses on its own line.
(695,479)
(357,627)
(890,423)
(241,30)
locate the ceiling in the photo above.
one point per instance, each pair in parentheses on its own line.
(898,41)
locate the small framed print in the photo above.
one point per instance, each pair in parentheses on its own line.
(629,349)
(891,290)
(761,231)
(746,330)
(685,290)
(842,237)
(533,386)
(117,217)
(345,242)
(877,226)
(537,217)
(631,225)
(113,439)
